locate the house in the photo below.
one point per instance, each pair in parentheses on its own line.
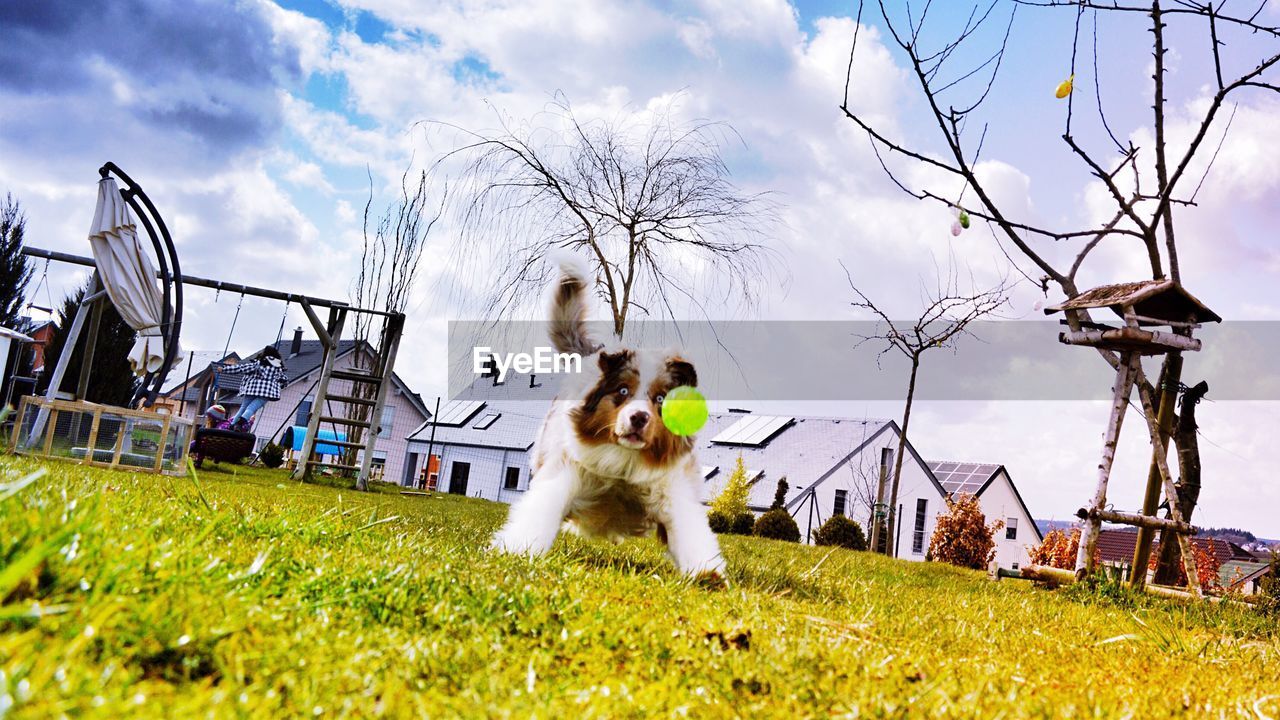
(404,408)
(481,441)
(999,499)
(1250,583)
(1115,548)
(24,361)
(190,388)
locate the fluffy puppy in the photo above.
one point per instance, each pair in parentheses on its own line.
(604,464)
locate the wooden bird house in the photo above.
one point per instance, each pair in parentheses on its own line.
(1143,307)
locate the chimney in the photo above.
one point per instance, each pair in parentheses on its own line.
(296,347)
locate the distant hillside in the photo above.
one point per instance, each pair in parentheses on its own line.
(1047,525)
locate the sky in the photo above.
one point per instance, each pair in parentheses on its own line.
(260,129)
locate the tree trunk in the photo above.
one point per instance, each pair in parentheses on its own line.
(1170,562)
(1166,399)
(890,539)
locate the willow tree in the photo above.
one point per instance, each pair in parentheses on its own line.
(645,199)
(953,69)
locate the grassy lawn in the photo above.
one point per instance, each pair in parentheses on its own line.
(247,594)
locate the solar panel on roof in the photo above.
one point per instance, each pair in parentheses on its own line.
(458,412)
(484,422)
(945,467)
(752,431)
(734,433)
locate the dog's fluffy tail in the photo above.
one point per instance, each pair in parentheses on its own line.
(568,325)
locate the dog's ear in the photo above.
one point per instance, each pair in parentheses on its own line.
(681,372)
(612,362)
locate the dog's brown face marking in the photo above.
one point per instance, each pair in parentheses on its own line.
(662,446)
(624,389)
(594,419)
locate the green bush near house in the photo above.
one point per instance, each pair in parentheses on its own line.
(777,525)
(743,523)
(840,531)
(719,522)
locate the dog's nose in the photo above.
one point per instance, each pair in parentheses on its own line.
(639,420)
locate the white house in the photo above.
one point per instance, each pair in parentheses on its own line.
(999,500)
(481,444)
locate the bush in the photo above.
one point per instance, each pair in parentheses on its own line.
(780,495)
(272,455)
(743,523)
(1058,550)
(719,522)
(732,499)
(1207,565)
(962,536)
(777,525)
(840,531)
(1269,588)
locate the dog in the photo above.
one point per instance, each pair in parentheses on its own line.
(604,464)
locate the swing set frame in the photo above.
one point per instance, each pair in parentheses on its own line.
(329,331)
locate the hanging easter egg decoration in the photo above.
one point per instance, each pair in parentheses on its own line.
(964,220)
(1064,89)
(956,229)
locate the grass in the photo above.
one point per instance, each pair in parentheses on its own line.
(244,594)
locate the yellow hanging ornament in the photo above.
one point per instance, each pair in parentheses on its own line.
(1064,89)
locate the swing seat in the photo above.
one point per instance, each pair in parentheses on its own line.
(222,445)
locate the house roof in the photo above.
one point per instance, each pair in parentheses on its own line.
(1257,573)
(1117,546)
(807,452)
(515,427)
(1161,299)
(962,477)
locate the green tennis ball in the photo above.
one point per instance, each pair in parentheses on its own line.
(684,410)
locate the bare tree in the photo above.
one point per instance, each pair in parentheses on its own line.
(955,76)
(948,312)
(390,256)
(647,200)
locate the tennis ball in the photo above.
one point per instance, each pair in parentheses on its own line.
(684,410)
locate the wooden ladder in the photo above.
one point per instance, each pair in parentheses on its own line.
(364,401)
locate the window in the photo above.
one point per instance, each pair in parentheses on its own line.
(886,467)
(304,410)
(512,480)
(388,420)
(378,464)
(485,421)
(917,536)
(1015,566)
(458,478)
(1011,529)
(841,497)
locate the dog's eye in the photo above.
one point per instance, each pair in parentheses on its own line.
(659,399)
(623,392)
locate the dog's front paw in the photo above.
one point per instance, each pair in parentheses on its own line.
(515,543)
(711,580)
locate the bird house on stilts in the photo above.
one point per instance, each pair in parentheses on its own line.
(1157,317)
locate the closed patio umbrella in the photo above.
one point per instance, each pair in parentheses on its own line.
(128,276)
